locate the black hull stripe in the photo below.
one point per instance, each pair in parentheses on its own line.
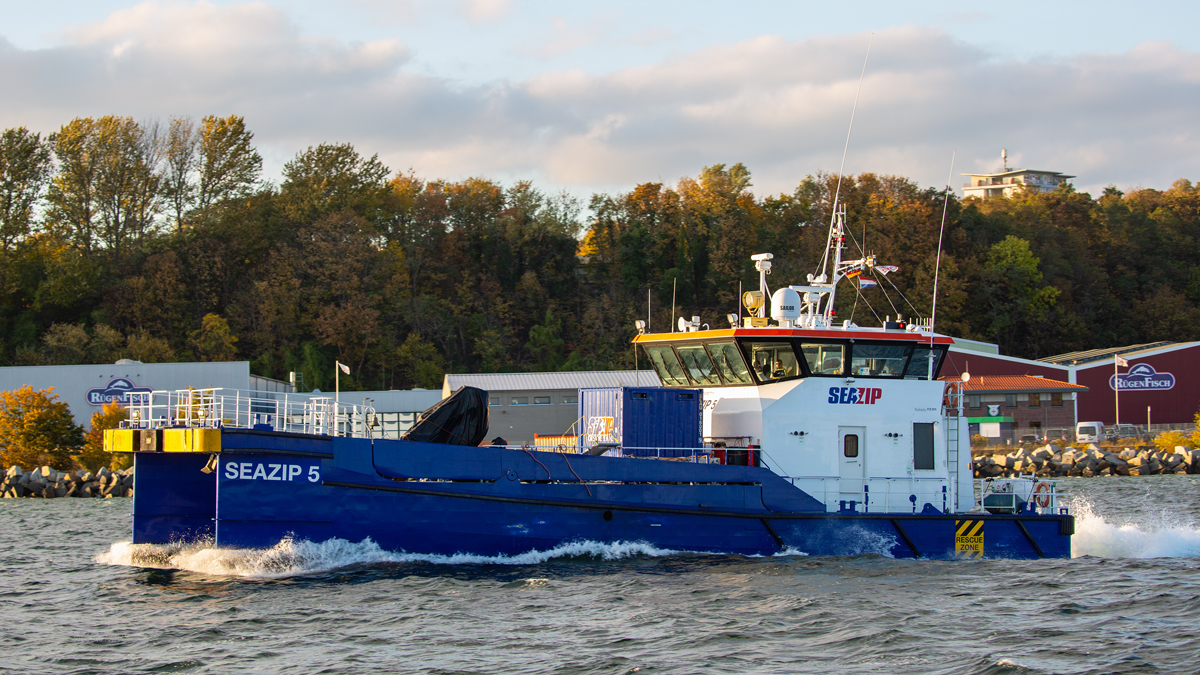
(603,506)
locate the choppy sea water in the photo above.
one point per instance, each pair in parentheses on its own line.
(75,597)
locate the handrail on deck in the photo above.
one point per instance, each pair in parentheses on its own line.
(241,409)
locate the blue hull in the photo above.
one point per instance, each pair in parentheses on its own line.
(427,498)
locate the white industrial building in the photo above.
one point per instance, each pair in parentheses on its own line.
(86,388)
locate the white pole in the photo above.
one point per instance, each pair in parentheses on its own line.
(1116,389)
(337,391)
(938,265)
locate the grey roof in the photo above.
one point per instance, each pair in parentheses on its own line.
(1092,355)
(541,381)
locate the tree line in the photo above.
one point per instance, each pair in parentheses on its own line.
(161,241)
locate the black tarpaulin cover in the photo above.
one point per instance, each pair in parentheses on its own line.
(461,419)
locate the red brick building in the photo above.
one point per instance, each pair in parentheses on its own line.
(1161,384)
(1006,407)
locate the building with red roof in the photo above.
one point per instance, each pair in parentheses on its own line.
(1160,386)
(1006,407)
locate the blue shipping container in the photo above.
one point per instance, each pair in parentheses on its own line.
(644,421)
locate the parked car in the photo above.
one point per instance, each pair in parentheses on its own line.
(1058,435)
(1029,440)
(1089,432)
(1128,431)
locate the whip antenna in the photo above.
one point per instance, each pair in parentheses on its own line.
(937,268)
(838,192)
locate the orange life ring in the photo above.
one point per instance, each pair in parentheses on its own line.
(1041,494)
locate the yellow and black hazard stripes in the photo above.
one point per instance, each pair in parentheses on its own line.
(968,539)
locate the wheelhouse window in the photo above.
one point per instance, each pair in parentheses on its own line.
(695,359)
(918,366)
(825,359)
(772,361)
(871,360)
(670,371)
(729,362)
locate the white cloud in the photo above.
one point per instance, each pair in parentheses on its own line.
(779,106)
(484,11)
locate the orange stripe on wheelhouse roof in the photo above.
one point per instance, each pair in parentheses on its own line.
(837,334)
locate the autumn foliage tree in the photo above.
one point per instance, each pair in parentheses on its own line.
(37,429)
(121,239)
(92,456)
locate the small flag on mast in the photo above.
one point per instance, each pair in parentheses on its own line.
(345,368)
(864,282)
(884,269)
(1122,362)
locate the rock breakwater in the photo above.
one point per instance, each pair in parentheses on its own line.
(1052,461)
(48,483)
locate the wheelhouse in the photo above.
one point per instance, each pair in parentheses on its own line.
(748,357)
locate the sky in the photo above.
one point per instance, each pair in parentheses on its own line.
(601,96)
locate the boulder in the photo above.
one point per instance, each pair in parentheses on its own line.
(14,471)
(61,490)
(103,472)
(1127,453)
(48,492)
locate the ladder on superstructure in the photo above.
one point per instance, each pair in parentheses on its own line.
(953,416)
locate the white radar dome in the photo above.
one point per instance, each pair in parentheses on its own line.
(785,305)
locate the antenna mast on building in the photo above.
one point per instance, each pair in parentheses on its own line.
(1004,158)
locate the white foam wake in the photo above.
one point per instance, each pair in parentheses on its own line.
(1162,538)
(291,558)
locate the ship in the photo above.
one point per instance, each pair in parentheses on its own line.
(787,432)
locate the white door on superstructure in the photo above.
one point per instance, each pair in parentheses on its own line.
(852,456)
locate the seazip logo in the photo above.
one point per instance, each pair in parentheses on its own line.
(860,395)
(1143,377)
(118,389)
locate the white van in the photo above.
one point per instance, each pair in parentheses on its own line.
(1089,432)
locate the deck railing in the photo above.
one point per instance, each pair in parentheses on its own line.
(241,409)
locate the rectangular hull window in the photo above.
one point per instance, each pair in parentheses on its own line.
(923,446)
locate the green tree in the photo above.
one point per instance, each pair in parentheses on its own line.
(546,343)
(1012,285)
(179,165)
(330,178)
(107,187)
(420,363)
(214,340)
(25,166)
(65,344)
(229,164)
(72,194)
(37,429)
